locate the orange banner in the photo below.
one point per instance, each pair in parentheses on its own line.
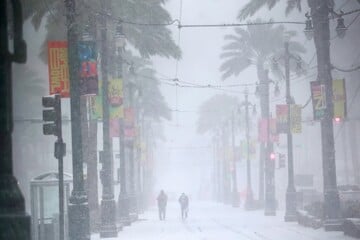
(58,68)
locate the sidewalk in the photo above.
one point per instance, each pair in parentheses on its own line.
(210,221)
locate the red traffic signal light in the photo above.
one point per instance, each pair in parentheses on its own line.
(337,119)
(272,156)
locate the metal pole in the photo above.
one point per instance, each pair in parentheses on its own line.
(123,200)
(290,212)
(14,222)
(132,201)
(60,157)
(78,209)
(108,206)
(235,200)
(320,17)
(249,193)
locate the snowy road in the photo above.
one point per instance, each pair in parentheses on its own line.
(209,221)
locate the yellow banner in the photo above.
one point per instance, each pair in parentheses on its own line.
(115,101)
(295,121)
(339,100)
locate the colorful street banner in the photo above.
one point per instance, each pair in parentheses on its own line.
(58,68)
(88,68)
(281,118)
(96,109)
(318,99)
(339,93)
(263,131)
(116,94)
(295,118)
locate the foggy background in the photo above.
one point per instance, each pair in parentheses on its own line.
(184,160)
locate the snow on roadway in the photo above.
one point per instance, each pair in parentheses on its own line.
(211,221)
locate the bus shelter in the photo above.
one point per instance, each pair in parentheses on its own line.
(44,190)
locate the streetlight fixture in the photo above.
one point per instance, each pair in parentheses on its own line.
(309,29)
(341,28)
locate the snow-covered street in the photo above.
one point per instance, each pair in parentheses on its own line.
(211,221)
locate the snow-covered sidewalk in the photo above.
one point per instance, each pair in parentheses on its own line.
(211,221)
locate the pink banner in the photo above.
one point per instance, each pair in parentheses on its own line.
(114,128)
(263,131)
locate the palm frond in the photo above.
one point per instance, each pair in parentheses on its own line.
(293,4)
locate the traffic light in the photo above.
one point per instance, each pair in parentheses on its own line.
(272,156)
(52,115)
(281,160)
(337,120)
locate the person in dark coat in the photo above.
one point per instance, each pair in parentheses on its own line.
(162,201)
(184,205)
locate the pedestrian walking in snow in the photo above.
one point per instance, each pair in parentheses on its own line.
(162,201)
(184,204)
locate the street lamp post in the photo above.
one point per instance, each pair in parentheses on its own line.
(14,222)
(123,199)
(290,212)
(235,193)
(249,202)
(108,206)
(132,194)
(78,209)
(320,15)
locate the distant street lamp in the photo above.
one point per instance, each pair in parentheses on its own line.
(235,193)
(290,213)
(249,201)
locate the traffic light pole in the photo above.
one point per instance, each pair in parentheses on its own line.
(78,209)
(14,222)
(53,116)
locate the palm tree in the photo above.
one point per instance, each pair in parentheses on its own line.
(214,111)
(254,5)
(214,116)
(248,48)
(148,41)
